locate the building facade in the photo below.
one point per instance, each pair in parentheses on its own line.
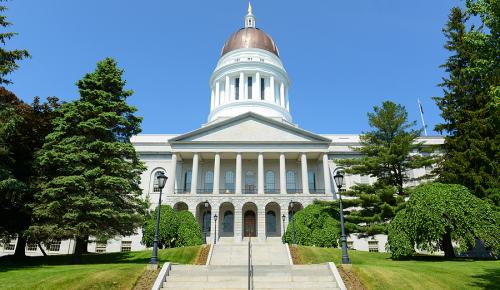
(249,161)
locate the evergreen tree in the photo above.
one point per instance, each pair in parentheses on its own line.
(387,152)
(8,58)
(90,170)
(22,131)
(470,105)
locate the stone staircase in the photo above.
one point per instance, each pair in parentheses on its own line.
(276,277)
(228,269)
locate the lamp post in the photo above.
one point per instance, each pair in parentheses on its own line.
(162,179)
(206,204)
(215,234)
(291,205)
(284,229)
(339,180)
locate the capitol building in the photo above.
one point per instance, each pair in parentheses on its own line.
(250,160)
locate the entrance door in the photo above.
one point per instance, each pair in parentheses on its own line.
(250,229)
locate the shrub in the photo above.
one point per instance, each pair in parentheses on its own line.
(176,229)
(314,226)
(189,232)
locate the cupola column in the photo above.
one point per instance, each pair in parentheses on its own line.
(282,94)
(212,100)
(217,94)
(227,91)
(257,86)
(242,86)
(272,90)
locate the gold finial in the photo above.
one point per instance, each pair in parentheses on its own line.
(249,8)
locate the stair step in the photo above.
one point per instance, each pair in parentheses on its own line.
(256,284)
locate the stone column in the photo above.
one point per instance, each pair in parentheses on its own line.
(261,223)
(238,174)
(227,92)
(271,89)
(305,181)
(194,174)
(326,174)
(238,225)
(216,173)
(217,94)
(260,174)
(242,86)
(173,169)
(282,173)
(282,94)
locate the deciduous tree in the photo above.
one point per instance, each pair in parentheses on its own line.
(440,214)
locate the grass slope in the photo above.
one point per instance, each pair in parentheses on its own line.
(378,271)
(98,271)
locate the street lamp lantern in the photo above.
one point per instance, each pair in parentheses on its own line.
(215,234)
(206,220)
(206,204)
(339,180)
(162,180)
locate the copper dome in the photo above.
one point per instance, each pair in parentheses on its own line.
(250,37)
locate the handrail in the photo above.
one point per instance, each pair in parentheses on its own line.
(250,266)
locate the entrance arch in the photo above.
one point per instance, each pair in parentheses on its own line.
(249,220)
(226,220)
(273,220)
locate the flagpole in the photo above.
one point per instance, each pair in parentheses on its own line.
(422,116)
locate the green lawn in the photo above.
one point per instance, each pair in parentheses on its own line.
(378,271)
(98,271)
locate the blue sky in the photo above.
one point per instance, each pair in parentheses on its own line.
(343,57)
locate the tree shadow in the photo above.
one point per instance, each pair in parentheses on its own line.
(431,258)
(490,279)
(9,263)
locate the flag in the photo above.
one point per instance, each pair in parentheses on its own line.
(421,108)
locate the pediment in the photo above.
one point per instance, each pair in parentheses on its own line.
(250,127)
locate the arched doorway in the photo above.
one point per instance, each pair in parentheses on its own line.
(204,217)
(226,220)
(250,224)
(273,220)
(249,220)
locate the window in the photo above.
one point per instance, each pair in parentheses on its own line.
(237,89)
(250,86)
(126,246)
(100,247)
(249,182)
(290,182)
(54,246)
(156,188)
(270,182)
(31,247)
(373,246)
(365,179)
(10,246)
(311,180)
(270,222)
(187,181)
(209,181)
(229,180)
(262,88)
